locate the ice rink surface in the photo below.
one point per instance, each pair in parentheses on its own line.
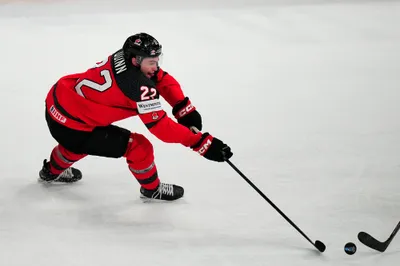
(305,92)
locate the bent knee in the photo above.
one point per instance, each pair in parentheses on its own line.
(140,152)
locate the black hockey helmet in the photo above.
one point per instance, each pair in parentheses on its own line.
(141,45)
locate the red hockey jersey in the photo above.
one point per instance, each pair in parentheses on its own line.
(114,90)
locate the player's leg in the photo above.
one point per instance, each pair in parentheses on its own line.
(139,155)
(116,142)
(63,155)
(140,158)
(113,142)
(59,168)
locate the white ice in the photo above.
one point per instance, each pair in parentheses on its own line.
(305,92)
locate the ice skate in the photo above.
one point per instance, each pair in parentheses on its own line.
(70,175)
(167,192)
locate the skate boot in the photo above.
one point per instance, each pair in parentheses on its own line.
(164,191)
(70,175)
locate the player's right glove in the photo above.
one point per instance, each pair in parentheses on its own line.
(212,148)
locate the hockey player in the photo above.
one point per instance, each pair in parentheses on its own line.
(80,110)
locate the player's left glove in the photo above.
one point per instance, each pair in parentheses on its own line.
(187,115)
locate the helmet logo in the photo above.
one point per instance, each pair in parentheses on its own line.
(138,42)
(155,52)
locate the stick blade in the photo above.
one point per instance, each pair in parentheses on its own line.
(371,242)
(320,246)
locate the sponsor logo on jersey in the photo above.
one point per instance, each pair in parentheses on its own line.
(57,115)
(149,106)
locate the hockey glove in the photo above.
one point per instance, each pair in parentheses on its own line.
(187,115)
(212,148)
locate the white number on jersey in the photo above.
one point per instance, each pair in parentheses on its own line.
(93,85)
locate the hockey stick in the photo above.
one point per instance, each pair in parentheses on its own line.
(371,242)
(318,244)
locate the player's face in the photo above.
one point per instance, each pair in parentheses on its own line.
(149,66)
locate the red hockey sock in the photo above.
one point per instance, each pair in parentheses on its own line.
(140,158)
(148,177)
(61,159)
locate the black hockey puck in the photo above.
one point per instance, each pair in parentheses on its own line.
(350,248)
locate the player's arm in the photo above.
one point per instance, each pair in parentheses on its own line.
(167,130)
(183,110)
(164,128)
(144,97)
(168,87)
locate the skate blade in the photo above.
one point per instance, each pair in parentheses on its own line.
(42,181)
(152,200)
(52,182)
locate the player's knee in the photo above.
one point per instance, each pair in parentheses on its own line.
(140,153)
